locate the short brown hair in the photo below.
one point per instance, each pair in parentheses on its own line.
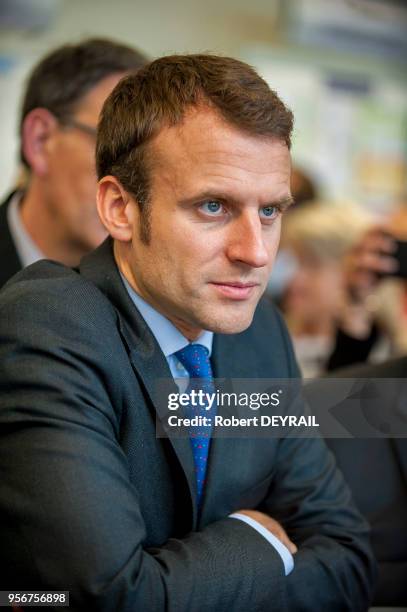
(63,77)
(160,93)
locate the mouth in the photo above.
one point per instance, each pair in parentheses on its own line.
(235,290)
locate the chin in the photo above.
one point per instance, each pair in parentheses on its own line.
(230,324)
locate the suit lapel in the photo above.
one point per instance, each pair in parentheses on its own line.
(149,368)
(148,361)
(233,357)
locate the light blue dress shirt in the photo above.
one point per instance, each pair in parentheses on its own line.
(170,341)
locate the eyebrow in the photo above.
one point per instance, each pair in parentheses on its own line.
(281,203)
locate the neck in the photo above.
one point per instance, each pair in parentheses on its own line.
(40,220)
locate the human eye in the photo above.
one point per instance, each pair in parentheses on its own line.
(269,212)
(212,208)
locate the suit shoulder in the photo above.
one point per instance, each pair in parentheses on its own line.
(52,288)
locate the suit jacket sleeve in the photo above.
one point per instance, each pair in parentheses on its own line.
(69,514)
(334,564)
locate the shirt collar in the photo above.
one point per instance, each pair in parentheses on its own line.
(27,250)
(167,335)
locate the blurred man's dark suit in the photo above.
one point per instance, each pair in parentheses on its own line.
(10,261)
(376,471)
(93,502)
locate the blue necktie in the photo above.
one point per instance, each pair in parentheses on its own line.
(195,359)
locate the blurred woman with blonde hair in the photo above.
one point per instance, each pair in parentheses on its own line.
(320,235)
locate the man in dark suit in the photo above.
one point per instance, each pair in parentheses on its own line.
(55,217)
(194,167)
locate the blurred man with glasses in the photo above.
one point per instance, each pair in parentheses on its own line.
(55,216)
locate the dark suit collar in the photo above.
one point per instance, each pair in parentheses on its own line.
(148,361)
(10,261)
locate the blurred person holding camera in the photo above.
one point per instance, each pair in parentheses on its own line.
(375,272)
(346,300)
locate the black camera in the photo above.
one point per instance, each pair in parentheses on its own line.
(400,254)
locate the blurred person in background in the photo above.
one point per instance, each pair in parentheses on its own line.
(316,298)
(54,215)
(391,291)
(374,323)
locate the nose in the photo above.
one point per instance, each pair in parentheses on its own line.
(246,242)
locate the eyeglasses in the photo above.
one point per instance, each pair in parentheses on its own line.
(82,127)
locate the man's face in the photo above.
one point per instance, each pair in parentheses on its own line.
(70,183)
(216,197)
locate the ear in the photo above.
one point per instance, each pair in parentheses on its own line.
(38,127)
(117,210)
